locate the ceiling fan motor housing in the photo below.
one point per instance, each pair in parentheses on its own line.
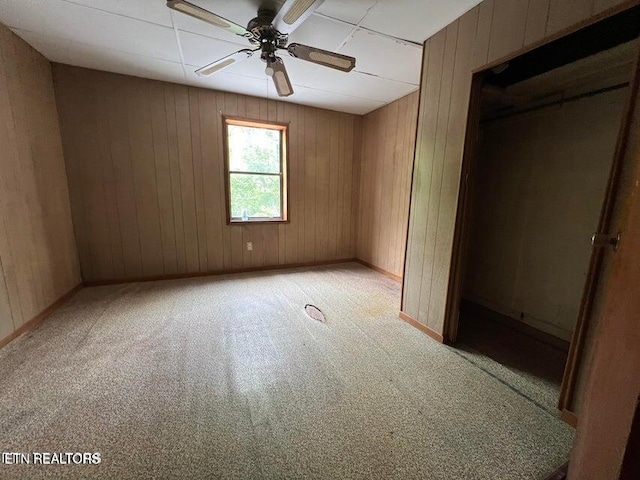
(264,36)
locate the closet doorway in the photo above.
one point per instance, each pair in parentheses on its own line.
(536,216)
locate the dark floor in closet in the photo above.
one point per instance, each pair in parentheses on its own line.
(532,361)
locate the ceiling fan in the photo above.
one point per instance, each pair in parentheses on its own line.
(268,33)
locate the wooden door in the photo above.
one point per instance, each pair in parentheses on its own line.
(604,447)
(611,218)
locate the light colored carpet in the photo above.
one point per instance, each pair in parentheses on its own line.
(226,377)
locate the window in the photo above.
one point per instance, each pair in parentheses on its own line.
(256,170)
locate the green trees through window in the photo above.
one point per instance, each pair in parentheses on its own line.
(255,172)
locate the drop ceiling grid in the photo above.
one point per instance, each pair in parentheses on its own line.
(146,39)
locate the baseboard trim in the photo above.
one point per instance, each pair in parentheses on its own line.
(569,418)
(422,327)
(213,273)
(38,319)
(386,273)
(486,313)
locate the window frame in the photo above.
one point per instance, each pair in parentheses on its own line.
(284,164)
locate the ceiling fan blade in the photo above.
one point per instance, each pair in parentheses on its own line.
(277,71)
(293,13)
(225,62)
(322,57)
(195,11)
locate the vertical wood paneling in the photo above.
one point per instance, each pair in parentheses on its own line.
(198,186)
(211,179)
(38,257)
(564,13)
(483,33)
(494,29)
(423,167)
(449,189)
(507,27)
(388,139)
(353,144)
(332,191)
(537,16)
(602,5)
(120,151)
(160,178)
(322,183)
(110,192)
(186,175)
(7,325)
(311,161)
(163,178)
(301,199)
(144,180)
(409,132)
(439,149)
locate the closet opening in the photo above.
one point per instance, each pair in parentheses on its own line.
(536,213)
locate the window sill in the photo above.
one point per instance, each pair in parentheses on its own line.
(257,221)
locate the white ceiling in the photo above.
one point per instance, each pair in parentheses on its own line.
(146,39)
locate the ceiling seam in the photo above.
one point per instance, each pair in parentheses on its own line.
(116,14)
(358,26)
(179,45)
(47,35)
(342,94)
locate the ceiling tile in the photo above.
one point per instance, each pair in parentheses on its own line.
(384,57)
(200,51)
(352,11)
(82,55)
(328,100)
(357,84)
(153,11)
(60,19)
(321,32)
(414,20)
(230,82)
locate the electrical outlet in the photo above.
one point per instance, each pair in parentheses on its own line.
(250,246)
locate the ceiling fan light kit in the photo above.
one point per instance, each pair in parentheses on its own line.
(268,33)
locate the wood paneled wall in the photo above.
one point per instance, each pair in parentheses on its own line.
(145,168)
(38,259)
(490,31)
(388,141)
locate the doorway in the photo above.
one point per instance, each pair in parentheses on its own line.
(538,175)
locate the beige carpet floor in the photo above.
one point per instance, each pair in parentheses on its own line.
(226,377)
